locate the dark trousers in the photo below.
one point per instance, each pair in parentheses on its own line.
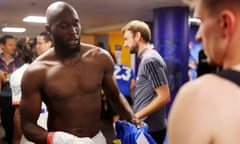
(158,136)
(7,112)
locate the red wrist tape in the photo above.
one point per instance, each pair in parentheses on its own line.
(50,137)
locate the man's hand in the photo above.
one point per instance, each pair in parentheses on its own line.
(138,122)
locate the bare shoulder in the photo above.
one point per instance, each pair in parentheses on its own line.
(187,115)
(206,86)
(191,96)
(94,49)
(38,67)
(97,53)
(199,105)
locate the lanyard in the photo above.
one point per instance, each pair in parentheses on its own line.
(6,67)
(145,53)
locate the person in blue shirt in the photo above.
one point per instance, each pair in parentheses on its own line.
(126,82)
(125,79)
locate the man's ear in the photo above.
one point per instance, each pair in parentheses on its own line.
(137,36)
(49,43)
(228,22)
(47,28)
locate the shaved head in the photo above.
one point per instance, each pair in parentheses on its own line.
(63,24)
(56,9)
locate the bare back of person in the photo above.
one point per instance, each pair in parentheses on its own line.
(71,90)
(221,109)
(213,117)
(206,110)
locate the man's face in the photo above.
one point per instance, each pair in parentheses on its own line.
(42,45)
(66,31)
(130,42)
(9,47)
(209,33)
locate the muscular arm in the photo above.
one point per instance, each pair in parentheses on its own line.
(118,101)
(31,105)
(162,98)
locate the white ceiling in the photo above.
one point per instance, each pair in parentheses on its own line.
(94,15)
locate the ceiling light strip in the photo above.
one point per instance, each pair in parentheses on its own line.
(14,29)
(35,19)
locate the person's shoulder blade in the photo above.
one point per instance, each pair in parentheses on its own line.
(191,115)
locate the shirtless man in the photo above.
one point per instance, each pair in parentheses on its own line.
(207,110)
(69,78)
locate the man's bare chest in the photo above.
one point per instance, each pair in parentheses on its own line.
(73,80)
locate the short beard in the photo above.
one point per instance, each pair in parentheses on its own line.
(66,50)
(75,49)
(134,49)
